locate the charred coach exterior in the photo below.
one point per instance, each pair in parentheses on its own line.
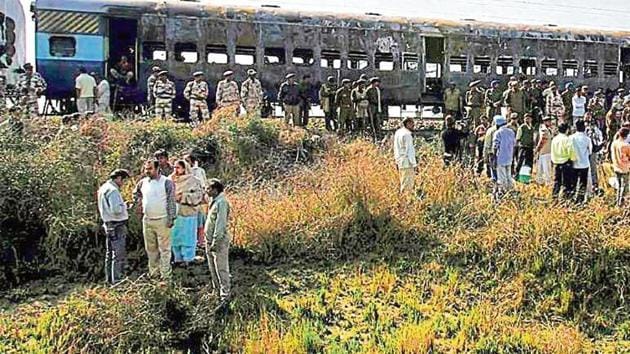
(413,57)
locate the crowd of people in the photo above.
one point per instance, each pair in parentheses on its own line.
(181,211)
(562,136)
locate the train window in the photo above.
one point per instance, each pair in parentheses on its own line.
(570,68)
(433,71)
(245,55)
(331,59)
(154,51)
(357,60)
(457,64)
(275,56)
(481,65)
(186,53)
(505,65)
(410,61)
(62,46)
(549,67)
(384,61)
(303,57)
(610,69)
(216,54)
(591,69)
(527,66)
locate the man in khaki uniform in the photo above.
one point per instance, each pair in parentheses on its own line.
(376,110)
(227,93)
(359,99)
(252,94)
(493,99)
(218,239)
(156,194)
(327,100)
(343,100)
(514,100)
(196,92)
(474,100)
(452,100)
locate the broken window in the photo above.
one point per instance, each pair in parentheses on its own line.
(610,69)
(384,61)
(357,60)
(331,59)
(481,65)
(186,52)
(411,61)
(528,66)
(154,51)
(549,67)
(570,68)
(275,56)
(303,57)
(216,54)
(433,71)
(505,65)
(64,47)
(457,64)
(591,69)
(245,55)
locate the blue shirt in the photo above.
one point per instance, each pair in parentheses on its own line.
(503,143)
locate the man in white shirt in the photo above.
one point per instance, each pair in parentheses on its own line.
(103,94)
(579,103)
(85,87)
(113,211)
(583,148)
(405,155)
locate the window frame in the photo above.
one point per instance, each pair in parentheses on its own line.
(55,38)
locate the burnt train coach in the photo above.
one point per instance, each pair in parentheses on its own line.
(413,57)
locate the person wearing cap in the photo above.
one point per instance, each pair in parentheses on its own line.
(474,100)
(562,156)
(227,93)
(85,91)
(405,155)
(151,83)
(343,100)
(538,102)
(305,88)
(514,99)
(103,94)
(218,239)
(360,102)
(543,152)
(164,92)
(597,106)
(503,142)
(196,92)
(113,211)
(452,98)
(525,140)
(617,101)
(547,93)
(289,96)
(493,98)
(327,93)
(31,85)
(567,101)
(376,110)
(578,104)
(252,94)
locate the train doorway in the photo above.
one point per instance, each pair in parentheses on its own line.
(434,69)
(624,69)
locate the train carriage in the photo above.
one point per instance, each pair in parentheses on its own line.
(413,57)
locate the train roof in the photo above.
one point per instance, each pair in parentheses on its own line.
(576,17)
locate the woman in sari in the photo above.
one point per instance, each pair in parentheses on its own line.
(188,196)
(200,173)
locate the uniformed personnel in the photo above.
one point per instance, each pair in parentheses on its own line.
(227,92)
(164,92)
(327,101)
(474,100)
(31,85)
(196,92)
(151,83)
(360,101)
(375,107)
(452,100)
(493,99)
(343,100)
(289,96)
(252,93)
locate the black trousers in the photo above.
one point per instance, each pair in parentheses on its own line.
(563,180)
(580,179)
(525,157)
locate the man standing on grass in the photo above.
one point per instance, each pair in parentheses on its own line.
(583,148)
(405,155)
(218,239)
(543,151)
(562,156)
(620,156)
(525,138)
(85,87)
(157,196)
(113,211)
(503,143)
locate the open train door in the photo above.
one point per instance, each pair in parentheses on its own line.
(122,63)
(624,69)
(433,70)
